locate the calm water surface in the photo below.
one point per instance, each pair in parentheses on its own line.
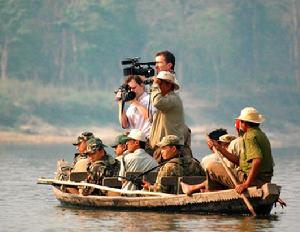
(26,206)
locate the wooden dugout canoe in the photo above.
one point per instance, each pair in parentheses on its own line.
(220,202)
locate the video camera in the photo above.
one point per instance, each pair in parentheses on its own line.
(135,68)
(138,68)
(126,93)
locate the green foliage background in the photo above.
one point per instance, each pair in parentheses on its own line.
(60,59)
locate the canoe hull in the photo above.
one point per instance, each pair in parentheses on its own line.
(221,202)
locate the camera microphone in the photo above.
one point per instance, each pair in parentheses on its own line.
(125,62)
(148,63)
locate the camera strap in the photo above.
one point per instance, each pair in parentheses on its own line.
(150,115)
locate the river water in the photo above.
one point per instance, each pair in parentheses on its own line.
(26,206)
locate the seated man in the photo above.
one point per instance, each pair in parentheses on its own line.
(100,165)
(137,160)
(174,165)
(215,135)
(80,144)
(228,142)
(120,147)
(80,161)
(255,163)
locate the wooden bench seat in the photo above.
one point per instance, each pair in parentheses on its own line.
(151,177)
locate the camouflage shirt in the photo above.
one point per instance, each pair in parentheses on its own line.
(172,168)
(78,156)
(106,167)
(183,166)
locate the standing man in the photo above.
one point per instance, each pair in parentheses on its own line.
(137,160)
(165,61)
(169,116)
(137,116)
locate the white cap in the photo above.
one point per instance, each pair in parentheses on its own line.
(137,134)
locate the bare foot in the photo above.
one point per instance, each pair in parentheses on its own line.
(186,188)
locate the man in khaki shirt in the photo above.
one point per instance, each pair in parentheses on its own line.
(169,117)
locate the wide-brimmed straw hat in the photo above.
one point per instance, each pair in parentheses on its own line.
(137,135)
(169,77)
(250,114)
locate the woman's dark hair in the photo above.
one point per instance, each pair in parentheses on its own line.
(137,79)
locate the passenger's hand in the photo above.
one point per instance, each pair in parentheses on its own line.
(146,185)
(156,80)
(118,96)
(240,188)
(212,143)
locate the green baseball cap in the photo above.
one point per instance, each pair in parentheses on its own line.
(120,139)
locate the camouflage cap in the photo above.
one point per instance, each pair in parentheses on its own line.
(94,144)
(120,139)
(85,136)
(169,140)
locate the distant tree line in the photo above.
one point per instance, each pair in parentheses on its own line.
(83,40)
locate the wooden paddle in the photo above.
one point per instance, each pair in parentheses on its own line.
(233,179)
(105,188)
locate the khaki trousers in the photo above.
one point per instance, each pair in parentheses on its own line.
(217,177)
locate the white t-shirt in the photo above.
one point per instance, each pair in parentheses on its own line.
(135,119)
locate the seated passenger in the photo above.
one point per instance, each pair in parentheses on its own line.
(174,165)
(80,161)
(215,135)
(120,146)
(228,142)
(137,160)
(100,165)
(80,144)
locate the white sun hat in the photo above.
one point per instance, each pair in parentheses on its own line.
(250,114)
(169,77)
(137,134)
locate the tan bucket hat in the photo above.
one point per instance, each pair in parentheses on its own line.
(137,135)
(169,77)
(250,114)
